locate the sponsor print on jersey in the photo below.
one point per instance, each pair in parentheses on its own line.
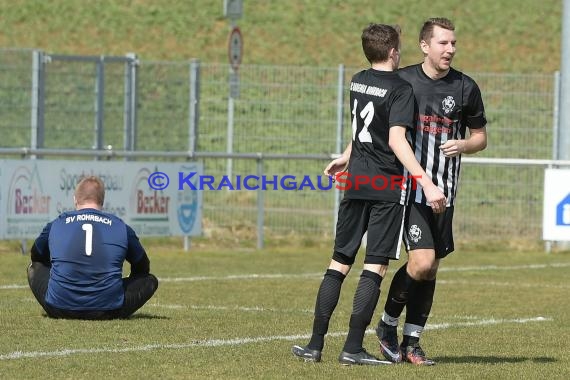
(433,130)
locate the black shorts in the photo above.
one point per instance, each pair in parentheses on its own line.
(138,290)
(426,230)
(382,220)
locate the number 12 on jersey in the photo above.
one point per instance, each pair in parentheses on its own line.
(367,114)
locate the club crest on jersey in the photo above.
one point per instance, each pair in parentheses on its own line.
(447,104)
(415,233)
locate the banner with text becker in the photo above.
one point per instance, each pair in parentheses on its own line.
(34,192)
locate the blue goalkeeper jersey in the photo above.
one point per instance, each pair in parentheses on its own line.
(88,248)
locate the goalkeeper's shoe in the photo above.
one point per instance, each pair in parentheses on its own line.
(361,358)
(306,353)
(415,355)
(388,337)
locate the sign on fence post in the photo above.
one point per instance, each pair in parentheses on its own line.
(235,48)
(556,212)
(235,51)
(233,10)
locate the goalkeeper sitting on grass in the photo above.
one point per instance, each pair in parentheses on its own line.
(77,262)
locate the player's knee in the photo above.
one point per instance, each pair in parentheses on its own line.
(424,274)
(430,274)
(150,286)
(422,269)
(154,282)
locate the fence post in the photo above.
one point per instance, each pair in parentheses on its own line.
(193,106)
(230,134)
(260,204)
(130,103)
(38,100)
(100,103)
(186,243)
(339,132)
(564,123)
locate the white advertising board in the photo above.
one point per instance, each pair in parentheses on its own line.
(34,192)
(556,212)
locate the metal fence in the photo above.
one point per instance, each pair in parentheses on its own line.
(123,103)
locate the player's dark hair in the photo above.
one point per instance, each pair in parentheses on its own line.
(378,39)
(426,33)
(90,189)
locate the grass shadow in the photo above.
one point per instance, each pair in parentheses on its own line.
(134,316)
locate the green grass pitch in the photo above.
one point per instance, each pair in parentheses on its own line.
(226,314)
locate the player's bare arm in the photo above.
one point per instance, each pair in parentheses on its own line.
(399,144)
(476,142)
(339,164)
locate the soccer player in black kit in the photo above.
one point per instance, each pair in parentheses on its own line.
(382,107)
(77,262)
(448,103)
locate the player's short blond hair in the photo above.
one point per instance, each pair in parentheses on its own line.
(426,33)
(90,189)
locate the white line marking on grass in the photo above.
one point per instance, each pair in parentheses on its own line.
(286,276)
(252,276)
(496,267)
(13,286)
(319,275)
(230,308)
(166,306)
(494,283)
(240,341)
(486,322)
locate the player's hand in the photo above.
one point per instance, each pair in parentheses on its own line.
(452,148)
(337,165)
(435,198)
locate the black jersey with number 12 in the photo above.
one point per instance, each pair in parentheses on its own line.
(379,100)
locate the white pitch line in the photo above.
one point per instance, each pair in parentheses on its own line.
(13,286)
(494,283)
(229,308)
(252,276)
(510,267)
(318,275)
(239,341)
(486,322)
(255,276)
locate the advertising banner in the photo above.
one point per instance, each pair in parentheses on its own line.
(34,192)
